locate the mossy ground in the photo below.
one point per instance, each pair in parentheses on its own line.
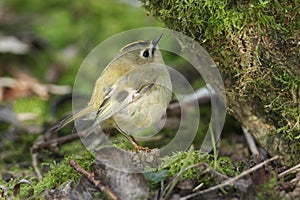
(256,47)
(234,32)
(60,173)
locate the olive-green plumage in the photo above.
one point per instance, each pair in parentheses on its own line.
(133,91)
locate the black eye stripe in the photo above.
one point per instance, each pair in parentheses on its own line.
(153,50)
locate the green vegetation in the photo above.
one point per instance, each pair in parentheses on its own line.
(233,32)
(190,165)
(255,44)
(267,190)
(206,20)
(63,24)
(63,172)
(36,106)
(179,161)
(58,174)
(65,31)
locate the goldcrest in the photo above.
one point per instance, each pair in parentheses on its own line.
(132,93)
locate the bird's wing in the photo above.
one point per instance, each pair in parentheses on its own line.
(130,87)
(127,90)
(119,98)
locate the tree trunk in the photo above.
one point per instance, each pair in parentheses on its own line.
(256,47)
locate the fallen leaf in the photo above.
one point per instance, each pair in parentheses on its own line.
(17,187)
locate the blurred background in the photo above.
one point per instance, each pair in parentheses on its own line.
(42,45)
(50,39)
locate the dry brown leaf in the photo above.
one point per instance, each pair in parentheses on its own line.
(17,187)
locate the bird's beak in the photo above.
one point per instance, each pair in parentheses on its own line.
(156,40)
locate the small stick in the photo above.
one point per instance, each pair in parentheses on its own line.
(97,183)
(231,180)
(37,146)
(35,165)
(201,96)
(58,141)
(251,143)
(288,171)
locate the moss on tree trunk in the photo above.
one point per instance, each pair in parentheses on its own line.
(256,47)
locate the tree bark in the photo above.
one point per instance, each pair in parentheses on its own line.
(256,47)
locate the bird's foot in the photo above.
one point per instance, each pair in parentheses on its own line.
(138,148)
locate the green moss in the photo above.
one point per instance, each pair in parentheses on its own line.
(205,19)
(268,190)
(58,173)
(178,162)
(286,105)
(63,172)
(255,44)
(18,173)
(181,160)
(26,191)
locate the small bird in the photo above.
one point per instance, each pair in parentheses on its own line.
(131,94)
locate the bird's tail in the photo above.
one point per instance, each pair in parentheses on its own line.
(71,117)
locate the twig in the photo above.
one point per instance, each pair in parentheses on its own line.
(288,171)
(43,145)
(175,179)
(35,165)
(57,141)
(201,96)
(97,183)
(251,143)
(232,180)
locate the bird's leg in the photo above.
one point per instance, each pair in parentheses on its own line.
(135,144)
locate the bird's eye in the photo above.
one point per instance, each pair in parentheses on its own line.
(146,54)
